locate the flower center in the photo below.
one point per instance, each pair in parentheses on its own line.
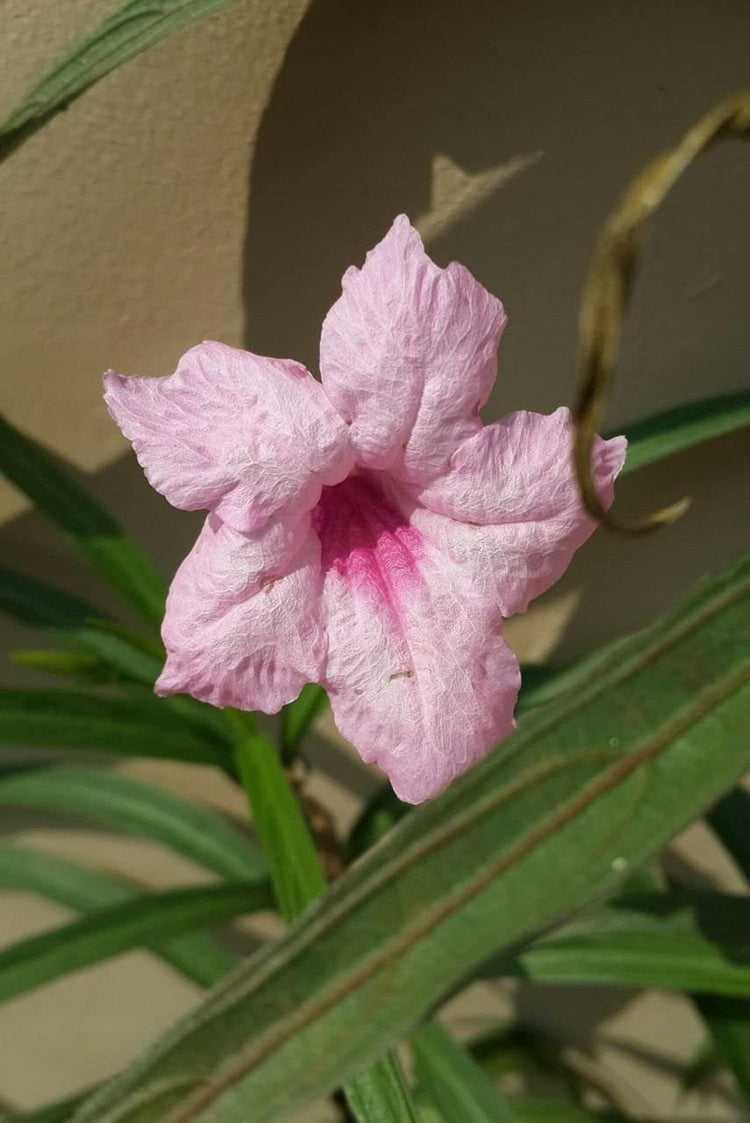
(365,539)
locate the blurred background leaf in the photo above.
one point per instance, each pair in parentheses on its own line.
(91,528)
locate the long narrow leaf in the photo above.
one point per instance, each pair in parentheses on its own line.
(454,1081)
(284,836)
(61,1111)
(380,1094)
(122,803)
(93,655)
(60,719)
(678,429)
(31,469)
(131,29)
(83,669)
(119,652)
(159,916)
(590,787)
(696,942)
(83,889)
(729,819)
(36,602)
(728,1019)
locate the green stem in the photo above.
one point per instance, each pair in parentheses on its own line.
(296,871)
(378,1095)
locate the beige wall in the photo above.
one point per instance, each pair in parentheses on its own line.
(219,185)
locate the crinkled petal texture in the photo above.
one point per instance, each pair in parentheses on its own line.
(419,675)
(243,623)
(509,511)
(408,356)
(247,437)
(369,534)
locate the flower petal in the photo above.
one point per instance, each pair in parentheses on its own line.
(232,432)
(408,356)
(243,623)
(509,510)
(419,675)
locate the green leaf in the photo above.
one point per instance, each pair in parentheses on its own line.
(31,469)
(121,803)
(284,835)
(131,29)
(141,726)
(524,1049)
(96,655)
(575,675)
(82,668)
(689,941)
(35,602)
(297,717)
(119,653)
(454,1081)
(61,1111)
(380,1094)
(380,812)
(585,789)
(83,889)
(298,879)
(139,923)
(729,1022)
(675,430)
(729,819)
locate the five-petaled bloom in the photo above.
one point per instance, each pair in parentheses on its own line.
(370,533)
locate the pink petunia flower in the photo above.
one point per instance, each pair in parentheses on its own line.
(370,533)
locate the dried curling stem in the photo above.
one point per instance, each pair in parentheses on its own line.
(608,287)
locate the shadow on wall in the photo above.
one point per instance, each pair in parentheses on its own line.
(374,99)
(372,95)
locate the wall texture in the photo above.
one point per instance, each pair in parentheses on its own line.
(218,186)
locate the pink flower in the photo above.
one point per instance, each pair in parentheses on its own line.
(370,533)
